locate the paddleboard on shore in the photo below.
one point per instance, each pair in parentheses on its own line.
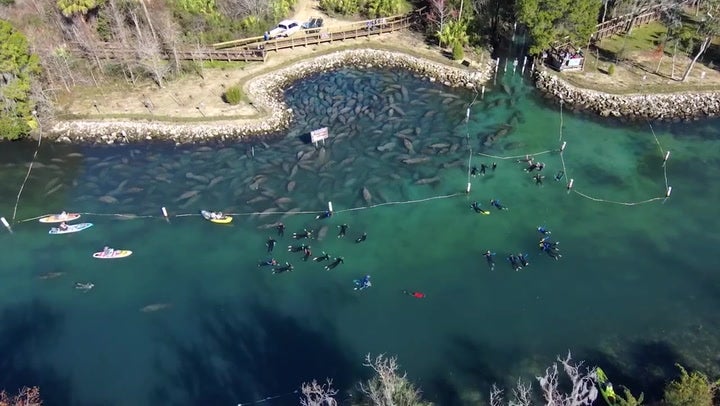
(112,254)
(72,228)
(59,218)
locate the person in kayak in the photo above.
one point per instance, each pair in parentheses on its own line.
(280,229)
(523,259)
(496,203)
(63,226)
(323,257)
(417,295)
(298,248)
(270,244)
(336,262)
(363,283)
(343,229)
(559,175)
(284,268)
(362,238)
(323,215)
(268,262)
(489,258)
(306,254)
(304,234)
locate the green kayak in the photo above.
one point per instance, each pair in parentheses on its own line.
(606,387)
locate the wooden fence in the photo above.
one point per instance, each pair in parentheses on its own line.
(623,23)
(256,48)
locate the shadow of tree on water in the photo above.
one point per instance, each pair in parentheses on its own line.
(476,367)
(239,360)
(646,366)
(24,330)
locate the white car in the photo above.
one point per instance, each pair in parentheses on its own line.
(285,28)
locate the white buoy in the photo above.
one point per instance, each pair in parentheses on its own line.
(667,156)
(165,214)
(532,67)
(6,224)
(467,114)
(252,151)
(468,188)
(482,92)
(669,190)
(562,147)
(330,207)
(505,68)
(570,184)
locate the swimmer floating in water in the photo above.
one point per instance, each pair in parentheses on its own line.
(494,165)
(476,206)
(483,168)
(496,203)
(268,262)
(303,234)
(324,215)
(280,229)
(474,171)
(284,268)
(416,295)
(523,259)
(361,284)
(559,175)
(514,262)
(306,254)
(544,231)
(298,248)
(538,179)
(336,262)
(343,229)
(323,257)
(362,238)
(270,243)
(489,258)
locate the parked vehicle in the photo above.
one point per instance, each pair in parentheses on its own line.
(285,28)
(313,25)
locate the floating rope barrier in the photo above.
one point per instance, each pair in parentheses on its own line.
(269,398)
(402,202)
(516,156)
(27,175)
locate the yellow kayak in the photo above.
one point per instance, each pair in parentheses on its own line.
(59,218)
(213,217)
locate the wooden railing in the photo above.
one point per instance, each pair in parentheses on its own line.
(256,48)
(623,23)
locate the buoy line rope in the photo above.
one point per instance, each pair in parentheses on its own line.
(27,175)
(269,398)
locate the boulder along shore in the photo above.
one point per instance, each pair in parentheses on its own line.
(266,94)
(681,106)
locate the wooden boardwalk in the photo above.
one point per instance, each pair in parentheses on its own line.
(255,49)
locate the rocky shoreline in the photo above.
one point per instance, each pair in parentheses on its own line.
(668,107)
(266,94)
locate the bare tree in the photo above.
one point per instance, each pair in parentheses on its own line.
(439,11)
(239,9)
(315,394)
(522,395)
(709,29)
(388,387)
(25,397)
(583,391)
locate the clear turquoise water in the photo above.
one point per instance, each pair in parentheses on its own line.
(635,291)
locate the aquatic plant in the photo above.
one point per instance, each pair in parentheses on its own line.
(692,389)
(25,397)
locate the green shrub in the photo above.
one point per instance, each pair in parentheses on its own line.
(457,52)
(693,389)
(233,95)
(343,7)
(611,69)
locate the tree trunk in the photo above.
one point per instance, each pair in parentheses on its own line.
(605,10)
(147,16)
(702,49)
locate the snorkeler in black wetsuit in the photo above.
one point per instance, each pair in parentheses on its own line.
(362,238)
(336,262)
(476,206)
(514,262)
(270,244)
(489,258)
(304,234)
(323,257)
(343,230)
(523,259)
(268,262)
(280,229)
(323,215)
(298,248)
(284,268)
